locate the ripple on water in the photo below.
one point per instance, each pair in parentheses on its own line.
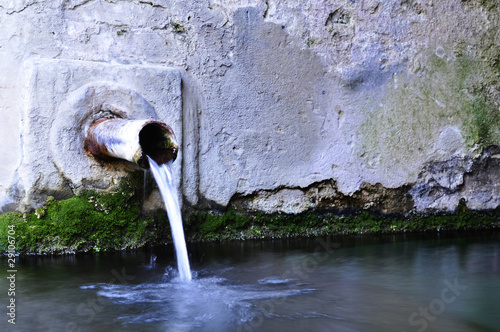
(202,302)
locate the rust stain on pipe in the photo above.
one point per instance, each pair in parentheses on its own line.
(131,140)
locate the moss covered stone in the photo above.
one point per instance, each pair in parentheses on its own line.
(205,226)
(101,222)
(90,221)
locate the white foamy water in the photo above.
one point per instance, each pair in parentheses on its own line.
(204,304)
(164,179)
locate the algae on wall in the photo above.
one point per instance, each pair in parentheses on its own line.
(231,225)
(444,92)
(89,221)
(452,82)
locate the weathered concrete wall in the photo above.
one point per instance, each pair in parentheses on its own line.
(283,106)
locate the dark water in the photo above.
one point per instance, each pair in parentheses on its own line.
(390,283)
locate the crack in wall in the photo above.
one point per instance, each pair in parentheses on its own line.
(439,187)
(325,196)
(13,10)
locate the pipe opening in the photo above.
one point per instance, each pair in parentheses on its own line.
(156,142)
(131,140)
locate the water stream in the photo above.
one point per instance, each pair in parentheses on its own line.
(164,179)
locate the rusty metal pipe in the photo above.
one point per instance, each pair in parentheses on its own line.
(131,140)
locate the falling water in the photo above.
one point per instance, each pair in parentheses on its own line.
(163,176)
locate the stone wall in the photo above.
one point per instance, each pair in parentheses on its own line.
(281,105)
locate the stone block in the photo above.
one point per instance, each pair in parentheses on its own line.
(63,98)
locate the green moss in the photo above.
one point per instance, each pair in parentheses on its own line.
(178,28)
(208,224)
(436,64)
(100,222)
(205,226)
(484,120)
(90,221)
(489,5)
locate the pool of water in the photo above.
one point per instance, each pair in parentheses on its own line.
(382,283)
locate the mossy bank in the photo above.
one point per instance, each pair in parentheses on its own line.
(207,226)
(96,222)
(89,222)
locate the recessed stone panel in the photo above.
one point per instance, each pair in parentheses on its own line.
(63,98)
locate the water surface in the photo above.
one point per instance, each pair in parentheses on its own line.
(385,283)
